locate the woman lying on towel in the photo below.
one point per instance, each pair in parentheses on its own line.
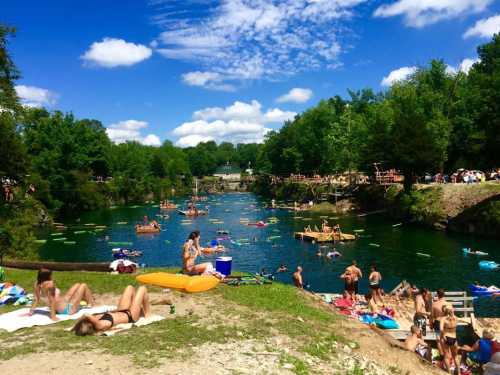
(45,288)
(130,306)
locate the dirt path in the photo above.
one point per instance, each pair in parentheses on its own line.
(272,353)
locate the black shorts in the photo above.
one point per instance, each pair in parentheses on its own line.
(356,287)
(375,286)
(350,288)
(450,341)
(436,326)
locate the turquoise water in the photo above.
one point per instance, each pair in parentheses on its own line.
(396,257)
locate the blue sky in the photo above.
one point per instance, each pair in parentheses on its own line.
(196,70)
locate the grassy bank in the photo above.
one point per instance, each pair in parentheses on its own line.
(462,208)
(265,329)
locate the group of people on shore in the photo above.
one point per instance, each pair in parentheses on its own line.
(351,277)
(132,304)
(438,315)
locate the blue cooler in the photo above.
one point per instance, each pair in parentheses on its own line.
(223,265)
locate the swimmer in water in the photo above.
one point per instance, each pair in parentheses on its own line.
(282,268)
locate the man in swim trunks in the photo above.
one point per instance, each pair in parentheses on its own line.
(349,285)
(414,343)
(437,314)
(421,314)
(297,278)
(356,274)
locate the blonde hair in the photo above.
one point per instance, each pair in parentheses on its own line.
(84,327)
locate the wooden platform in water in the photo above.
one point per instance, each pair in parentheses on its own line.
(324,237)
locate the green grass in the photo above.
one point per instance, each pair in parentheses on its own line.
(299,366)
(99,282)
(238,313)
(275,297)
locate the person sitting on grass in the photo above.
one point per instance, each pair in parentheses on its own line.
(131,305)
(190,251)
(482,349)
(45,288)
(414,343)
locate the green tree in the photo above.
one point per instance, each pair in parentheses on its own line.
(13,158)
(484,103)
(420,134)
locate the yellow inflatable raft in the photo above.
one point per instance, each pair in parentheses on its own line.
(185,283)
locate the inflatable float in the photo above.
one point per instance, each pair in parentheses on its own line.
(192,213)
(146,229)
(468,251)
(488,265)
(169,206)
(478,290)
(185,283)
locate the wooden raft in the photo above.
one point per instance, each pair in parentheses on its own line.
(324,237)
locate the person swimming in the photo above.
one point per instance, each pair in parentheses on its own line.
(282,268)
(333,254)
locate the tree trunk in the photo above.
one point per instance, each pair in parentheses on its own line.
(408,182)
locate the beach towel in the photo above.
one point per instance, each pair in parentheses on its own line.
(126,326)
(20,319)
(343,303)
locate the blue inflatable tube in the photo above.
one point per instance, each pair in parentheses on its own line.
(488,265)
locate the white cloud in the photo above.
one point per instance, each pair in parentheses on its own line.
(463,67)
(398,75)
(484,28)
(111,52)
(130,130)
(32,96)
(192,140)
(209,80)
(151,140)
(238,40)
(467,64)
(419,13)
(238,123)
(296,95)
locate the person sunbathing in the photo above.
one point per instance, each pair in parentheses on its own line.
(414,343)
(130,306)
(45,288)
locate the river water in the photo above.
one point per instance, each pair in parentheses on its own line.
(395,253)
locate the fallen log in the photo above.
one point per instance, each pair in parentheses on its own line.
(57,266)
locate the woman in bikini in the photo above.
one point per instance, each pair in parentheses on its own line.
(190,251)
(45,288)
(130,306)
(448,329)
(374,279)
